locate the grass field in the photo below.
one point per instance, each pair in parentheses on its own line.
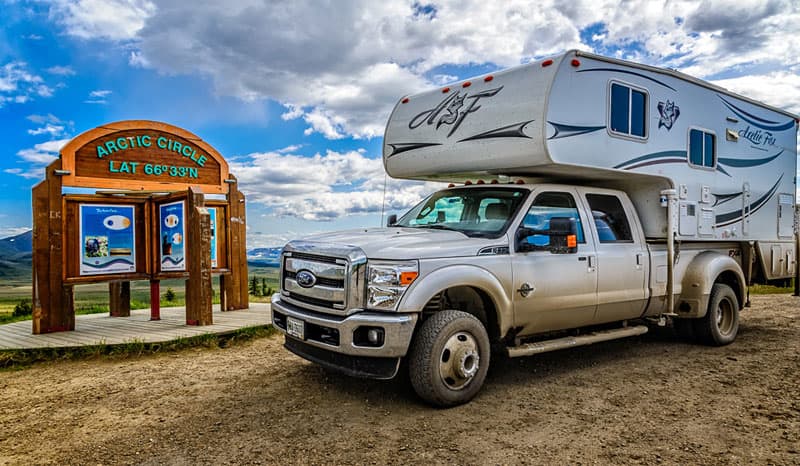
(91,299)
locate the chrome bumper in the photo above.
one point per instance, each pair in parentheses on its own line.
(398,329)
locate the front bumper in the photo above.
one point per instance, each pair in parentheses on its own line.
(336,333)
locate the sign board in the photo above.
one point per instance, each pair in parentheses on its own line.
(213,213)
(107,239)
(172,236)
(141,155)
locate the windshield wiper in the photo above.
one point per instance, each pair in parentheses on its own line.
(437,226)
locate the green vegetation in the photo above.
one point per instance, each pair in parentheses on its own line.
(93,299)
(17,359)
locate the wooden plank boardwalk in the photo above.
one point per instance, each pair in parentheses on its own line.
(94,329)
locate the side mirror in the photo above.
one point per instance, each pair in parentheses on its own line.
(560,238)
(391,220)
(563,235)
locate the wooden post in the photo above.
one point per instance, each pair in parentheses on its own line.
(53,303)
(198,255)
(155,300)
(235,286)
(119,294)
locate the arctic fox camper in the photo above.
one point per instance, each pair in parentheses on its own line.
(589,196)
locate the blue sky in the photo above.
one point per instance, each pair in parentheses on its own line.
(295,94)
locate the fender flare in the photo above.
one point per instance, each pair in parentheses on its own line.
(700,277)
(429,285)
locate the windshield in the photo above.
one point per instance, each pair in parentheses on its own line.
(478,212)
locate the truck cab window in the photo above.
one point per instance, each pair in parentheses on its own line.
(548,205)
(609,218)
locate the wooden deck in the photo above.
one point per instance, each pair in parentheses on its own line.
(94,329)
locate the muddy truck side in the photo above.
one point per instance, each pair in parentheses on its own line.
(588,198)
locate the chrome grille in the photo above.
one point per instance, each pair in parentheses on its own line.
(328,292)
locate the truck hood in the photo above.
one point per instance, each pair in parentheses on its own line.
(408,243)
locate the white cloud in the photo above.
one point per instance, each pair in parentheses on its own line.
(779,89)
(107,19)
(61,70)
(52,130)
(323,187)
(41,154)
(341,66)
(100,93)
(18,85)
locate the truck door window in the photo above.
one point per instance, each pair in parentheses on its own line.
(609,218)
(546,206)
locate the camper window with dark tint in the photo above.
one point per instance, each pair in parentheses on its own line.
(628,111)
(609,218)
(702,148)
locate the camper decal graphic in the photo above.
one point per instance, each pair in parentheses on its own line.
(763,123)
(669,113)
(452,110)
(730,218)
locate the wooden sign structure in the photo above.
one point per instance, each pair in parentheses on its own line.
(155,224)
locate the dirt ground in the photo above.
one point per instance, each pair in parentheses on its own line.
(645,400)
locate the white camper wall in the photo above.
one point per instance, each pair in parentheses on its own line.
(735,196)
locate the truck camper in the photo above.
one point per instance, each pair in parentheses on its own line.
(588,197)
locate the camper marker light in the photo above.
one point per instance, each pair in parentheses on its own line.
(466,84)
(575,62)
(488,78)
(547,63)
(520,181)
(468,183)
(481,182)
(404,101)
(445,90)
(494,181)
(451,185)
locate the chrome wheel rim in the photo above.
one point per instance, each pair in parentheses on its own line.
(725,317)
(459,361)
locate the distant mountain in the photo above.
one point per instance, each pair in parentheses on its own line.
(265,257)
(17,248)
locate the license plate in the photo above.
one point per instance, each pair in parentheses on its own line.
(295,327)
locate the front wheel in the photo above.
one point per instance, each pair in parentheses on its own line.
(721,323)
(449,358)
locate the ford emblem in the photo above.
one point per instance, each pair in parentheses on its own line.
(306,279)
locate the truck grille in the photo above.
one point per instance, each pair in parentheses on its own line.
(329,289)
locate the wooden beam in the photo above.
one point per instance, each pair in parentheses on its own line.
(119,294)
(198,256)
(236,287)
(53,301)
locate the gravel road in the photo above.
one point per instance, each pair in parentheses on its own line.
(645,400)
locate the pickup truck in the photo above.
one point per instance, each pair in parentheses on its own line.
(492,269)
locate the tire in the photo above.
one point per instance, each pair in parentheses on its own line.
(684,328)
(449,358)
(721,323)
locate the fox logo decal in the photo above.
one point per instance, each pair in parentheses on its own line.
(669,113)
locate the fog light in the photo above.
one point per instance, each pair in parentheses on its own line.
(374,336)
(371,337)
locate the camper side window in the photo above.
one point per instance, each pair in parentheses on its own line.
(702,148)
(627,111)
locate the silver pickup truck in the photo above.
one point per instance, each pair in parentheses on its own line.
(504,266)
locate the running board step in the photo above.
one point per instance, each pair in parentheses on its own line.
(538,347)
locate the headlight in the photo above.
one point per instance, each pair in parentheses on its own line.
(387,281)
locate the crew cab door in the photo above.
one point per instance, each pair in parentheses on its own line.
(553,291)
(622,260)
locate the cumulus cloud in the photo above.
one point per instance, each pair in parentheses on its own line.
(340,184)
(106,19)
(61,70)
(341,66)
(19,85)
(43,153)
(98,97)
